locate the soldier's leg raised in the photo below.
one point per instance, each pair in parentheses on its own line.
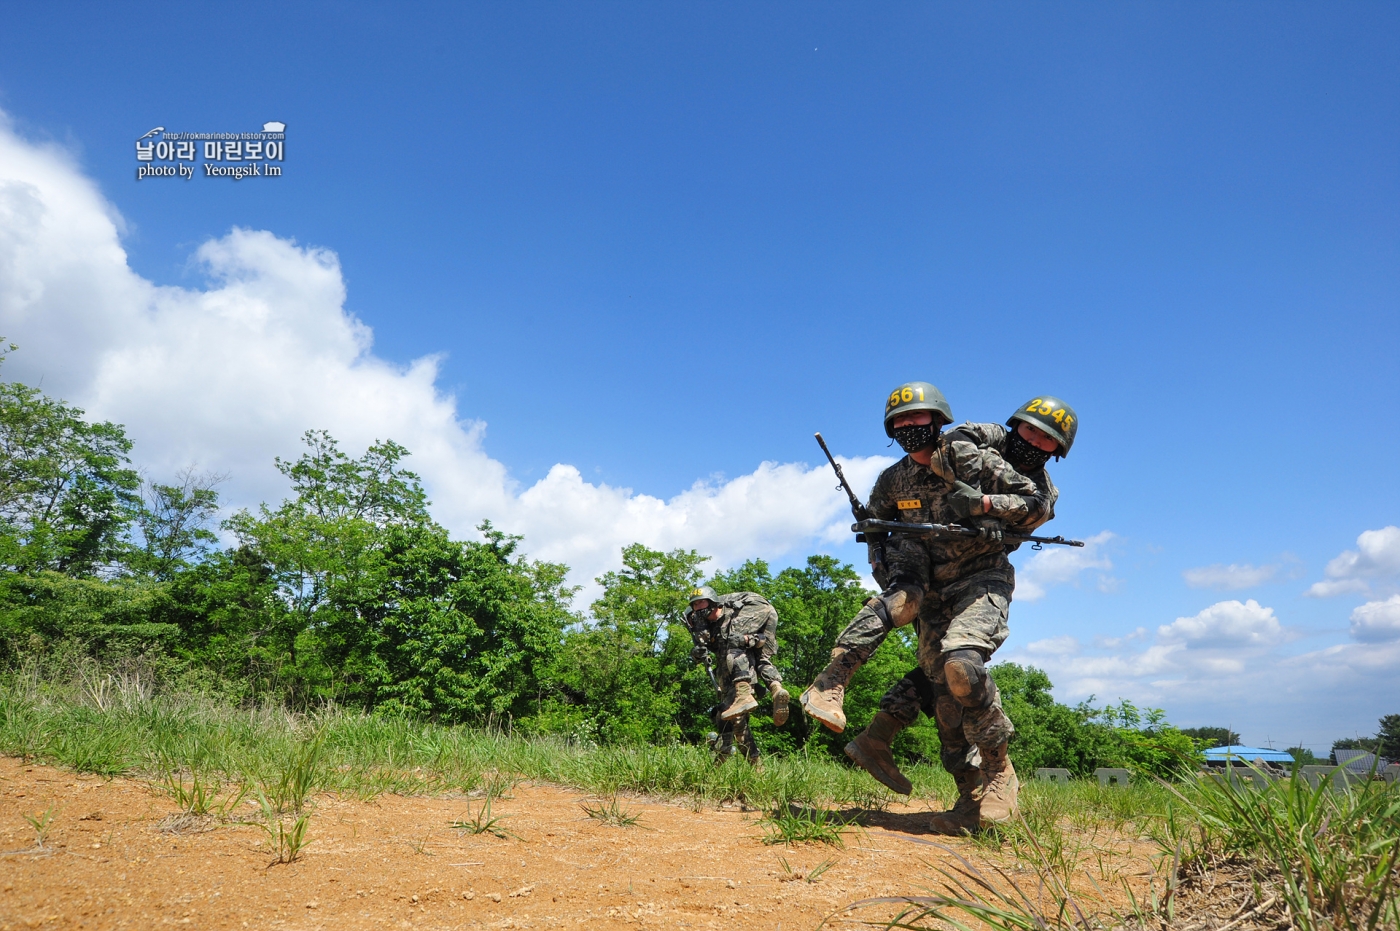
(894,607)
(742,676)
(774,680)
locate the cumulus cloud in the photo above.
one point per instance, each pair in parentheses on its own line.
(1377,556)
(1226,624)
(1063,645)
(230,374)
(1229,578)
(1057,565)
(1377,621)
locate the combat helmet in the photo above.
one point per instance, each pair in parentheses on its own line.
(1051,415)
(916,396)
(704,593)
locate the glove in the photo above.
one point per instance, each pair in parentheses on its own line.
(698,654)
(742,641)
(990,529)
(965,500)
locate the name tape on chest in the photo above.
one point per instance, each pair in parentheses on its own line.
(909,504)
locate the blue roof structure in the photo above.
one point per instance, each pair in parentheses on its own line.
(1246,754)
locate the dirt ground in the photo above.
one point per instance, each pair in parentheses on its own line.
(396,863)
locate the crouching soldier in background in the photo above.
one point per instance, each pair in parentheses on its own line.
(741,630)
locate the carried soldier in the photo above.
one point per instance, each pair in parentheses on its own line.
(740,630)
(965,506)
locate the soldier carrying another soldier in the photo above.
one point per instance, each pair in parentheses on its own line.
(957,587)
(741,630)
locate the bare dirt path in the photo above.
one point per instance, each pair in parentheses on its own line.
(396,863)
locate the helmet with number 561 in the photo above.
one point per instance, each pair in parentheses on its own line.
(1052,416)
(916,396)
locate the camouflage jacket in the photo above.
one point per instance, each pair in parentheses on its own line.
(913,493)
(993,436)
(746,620)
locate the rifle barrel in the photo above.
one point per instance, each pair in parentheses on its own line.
(951,530)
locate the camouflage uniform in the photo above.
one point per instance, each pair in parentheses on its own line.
(966,606)
(743,637)
(948,569)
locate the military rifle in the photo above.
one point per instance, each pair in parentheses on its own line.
(953,530)
(861,513)
(710,668)
(858,510)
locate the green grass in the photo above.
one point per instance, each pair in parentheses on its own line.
(1313,858)
(482,821)
(192,743)
(794,825)
(1331,854)
(611,813)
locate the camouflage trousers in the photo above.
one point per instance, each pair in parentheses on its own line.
(970,614)
(749,665)
(732,736)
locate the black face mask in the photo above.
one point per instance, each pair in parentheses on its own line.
(1022,456)
(913,438)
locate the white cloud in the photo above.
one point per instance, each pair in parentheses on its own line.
(1377,555)
(1330,587)
(1063,645)
(1113,643)
(1377,621)
(1229,578)
(229,375)
(1226,623)
(1056,565)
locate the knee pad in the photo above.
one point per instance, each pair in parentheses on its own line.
(967,678)
(897,605)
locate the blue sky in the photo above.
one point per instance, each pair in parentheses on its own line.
(663,244)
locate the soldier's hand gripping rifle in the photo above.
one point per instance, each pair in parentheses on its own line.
(869,526)
(874,537)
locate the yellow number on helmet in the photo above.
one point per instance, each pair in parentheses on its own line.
(1059,416)
(1031,407)
(906,395)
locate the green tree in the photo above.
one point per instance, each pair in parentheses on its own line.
(1208,737)
(374,604)
(814,604)
(1388,737)
(174,524)
(67,492)
(620,677)
(1302,756)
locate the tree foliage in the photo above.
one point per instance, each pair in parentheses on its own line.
(348,591)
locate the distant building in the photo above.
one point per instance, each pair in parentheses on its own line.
(1359,762)
(1237,755)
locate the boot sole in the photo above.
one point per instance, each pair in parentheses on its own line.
(870,766)
(731,713)
(830,723)
(780,710)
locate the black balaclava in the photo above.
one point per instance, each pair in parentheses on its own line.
(1022,456)
(913,438)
